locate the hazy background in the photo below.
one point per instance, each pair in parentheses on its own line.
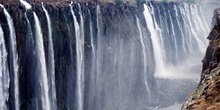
(208,7)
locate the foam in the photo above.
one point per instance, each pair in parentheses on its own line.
(26,4)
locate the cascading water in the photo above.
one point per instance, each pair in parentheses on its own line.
(27,5)
(51,64)
(30,41)
(199,30)
(182,36)
(173,35)
(80,64)
(180,27)
(93,63)
(29,35)
(80,59)
(98,59)
(13,58)
(157,28)
(194,34)
(157,43)
(91,39)
(144,60)
(187,32)
(201,26)
(41,66)
(203,19)
(4,73)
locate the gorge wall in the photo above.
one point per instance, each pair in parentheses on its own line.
(99,56)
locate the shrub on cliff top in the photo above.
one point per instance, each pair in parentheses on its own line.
(118,1)
(140,1)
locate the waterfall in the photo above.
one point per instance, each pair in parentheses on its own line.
(173,36)
(157,43)
(4,73)
(203,20)
(30,40)
(80,59)
(13,58)
(77,35)
(93,63)
(168,42)
(196,23)
(187,34)
(162,29)
(27,5)
(201,25)
(157,28)
(91,34)
(29,34)
(51,64)
(98,60)
(180,27)
(80,64)
(144,60)
(43,80)
(194,34)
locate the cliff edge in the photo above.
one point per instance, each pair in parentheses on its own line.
(207,94)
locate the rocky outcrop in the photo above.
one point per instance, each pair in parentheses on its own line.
(207,94)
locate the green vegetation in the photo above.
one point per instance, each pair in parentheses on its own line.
(202,73)
(134,3)
(196,93)
(164,1)
(140,1)
(118,1)
(200,89)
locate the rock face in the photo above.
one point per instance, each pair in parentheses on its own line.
(207,95)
